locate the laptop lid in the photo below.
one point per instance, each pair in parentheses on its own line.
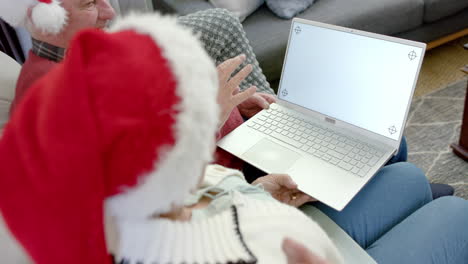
(354,79)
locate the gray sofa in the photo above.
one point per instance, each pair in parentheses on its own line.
(421,20)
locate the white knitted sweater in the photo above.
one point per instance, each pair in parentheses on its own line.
(249,231)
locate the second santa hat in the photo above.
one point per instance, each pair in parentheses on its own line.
(46,15)
(126,123)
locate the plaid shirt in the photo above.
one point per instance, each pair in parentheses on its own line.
(47,51)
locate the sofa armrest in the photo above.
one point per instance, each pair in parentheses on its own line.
(4,113)
(10,250)
(8,77)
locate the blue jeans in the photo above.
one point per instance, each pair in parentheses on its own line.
(402,154)
(396,221)
(436,233)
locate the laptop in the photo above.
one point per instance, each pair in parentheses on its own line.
(343,100)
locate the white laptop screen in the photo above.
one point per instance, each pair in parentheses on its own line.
(358,79)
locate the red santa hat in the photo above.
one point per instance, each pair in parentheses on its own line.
(126,123)
(46,15)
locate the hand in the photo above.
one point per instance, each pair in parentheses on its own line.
(182,214)
(298,254)
(229,95)
(284,189)
(255,104)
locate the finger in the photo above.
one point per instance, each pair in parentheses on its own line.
(236,91)
(242,96)
(298,254)
(286,181)
(240,76)
(261,102)
(305,194)
(268,97)
(226,68)
(227,64)
(257,101)
(301,199)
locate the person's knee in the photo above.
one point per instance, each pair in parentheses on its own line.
(449,214)
(456,211)
(415,176)
(409,179)
(436,233)
(409,172)
(449,217)
(451,206)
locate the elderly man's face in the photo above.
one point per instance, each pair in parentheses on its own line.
(84,14)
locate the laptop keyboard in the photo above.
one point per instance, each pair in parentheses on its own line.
(335,148)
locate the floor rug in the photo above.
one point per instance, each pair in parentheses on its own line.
(434,123)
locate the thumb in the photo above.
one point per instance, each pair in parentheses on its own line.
(295,253)
(286,181)
(303,198)
(268,97)
(258,101)
(262,102)
(298,254)
(244,95)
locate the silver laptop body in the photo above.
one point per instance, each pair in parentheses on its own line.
(343,101)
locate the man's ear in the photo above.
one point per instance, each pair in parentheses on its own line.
(28,23)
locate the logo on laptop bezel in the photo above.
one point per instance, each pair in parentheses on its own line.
(330,120)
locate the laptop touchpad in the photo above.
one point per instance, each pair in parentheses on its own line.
(270,156)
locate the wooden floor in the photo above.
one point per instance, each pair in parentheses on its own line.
(441,66)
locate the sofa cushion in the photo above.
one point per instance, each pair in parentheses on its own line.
(184,7)
(241,8)
(288,9)
(431,31)
(268,34)
(124,7)
(437,9)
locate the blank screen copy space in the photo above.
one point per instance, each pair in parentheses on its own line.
(360,80)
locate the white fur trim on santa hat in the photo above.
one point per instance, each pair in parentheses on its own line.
(179,169)
(50,18)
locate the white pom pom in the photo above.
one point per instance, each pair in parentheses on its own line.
(50,18)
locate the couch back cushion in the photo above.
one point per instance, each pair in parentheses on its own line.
(8,76)
(184,7)
(437,9)
(241,8)
(269,34)
(288,9)
(124,7)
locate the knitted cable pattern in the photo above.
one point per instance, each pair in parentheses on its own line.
(224,37)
